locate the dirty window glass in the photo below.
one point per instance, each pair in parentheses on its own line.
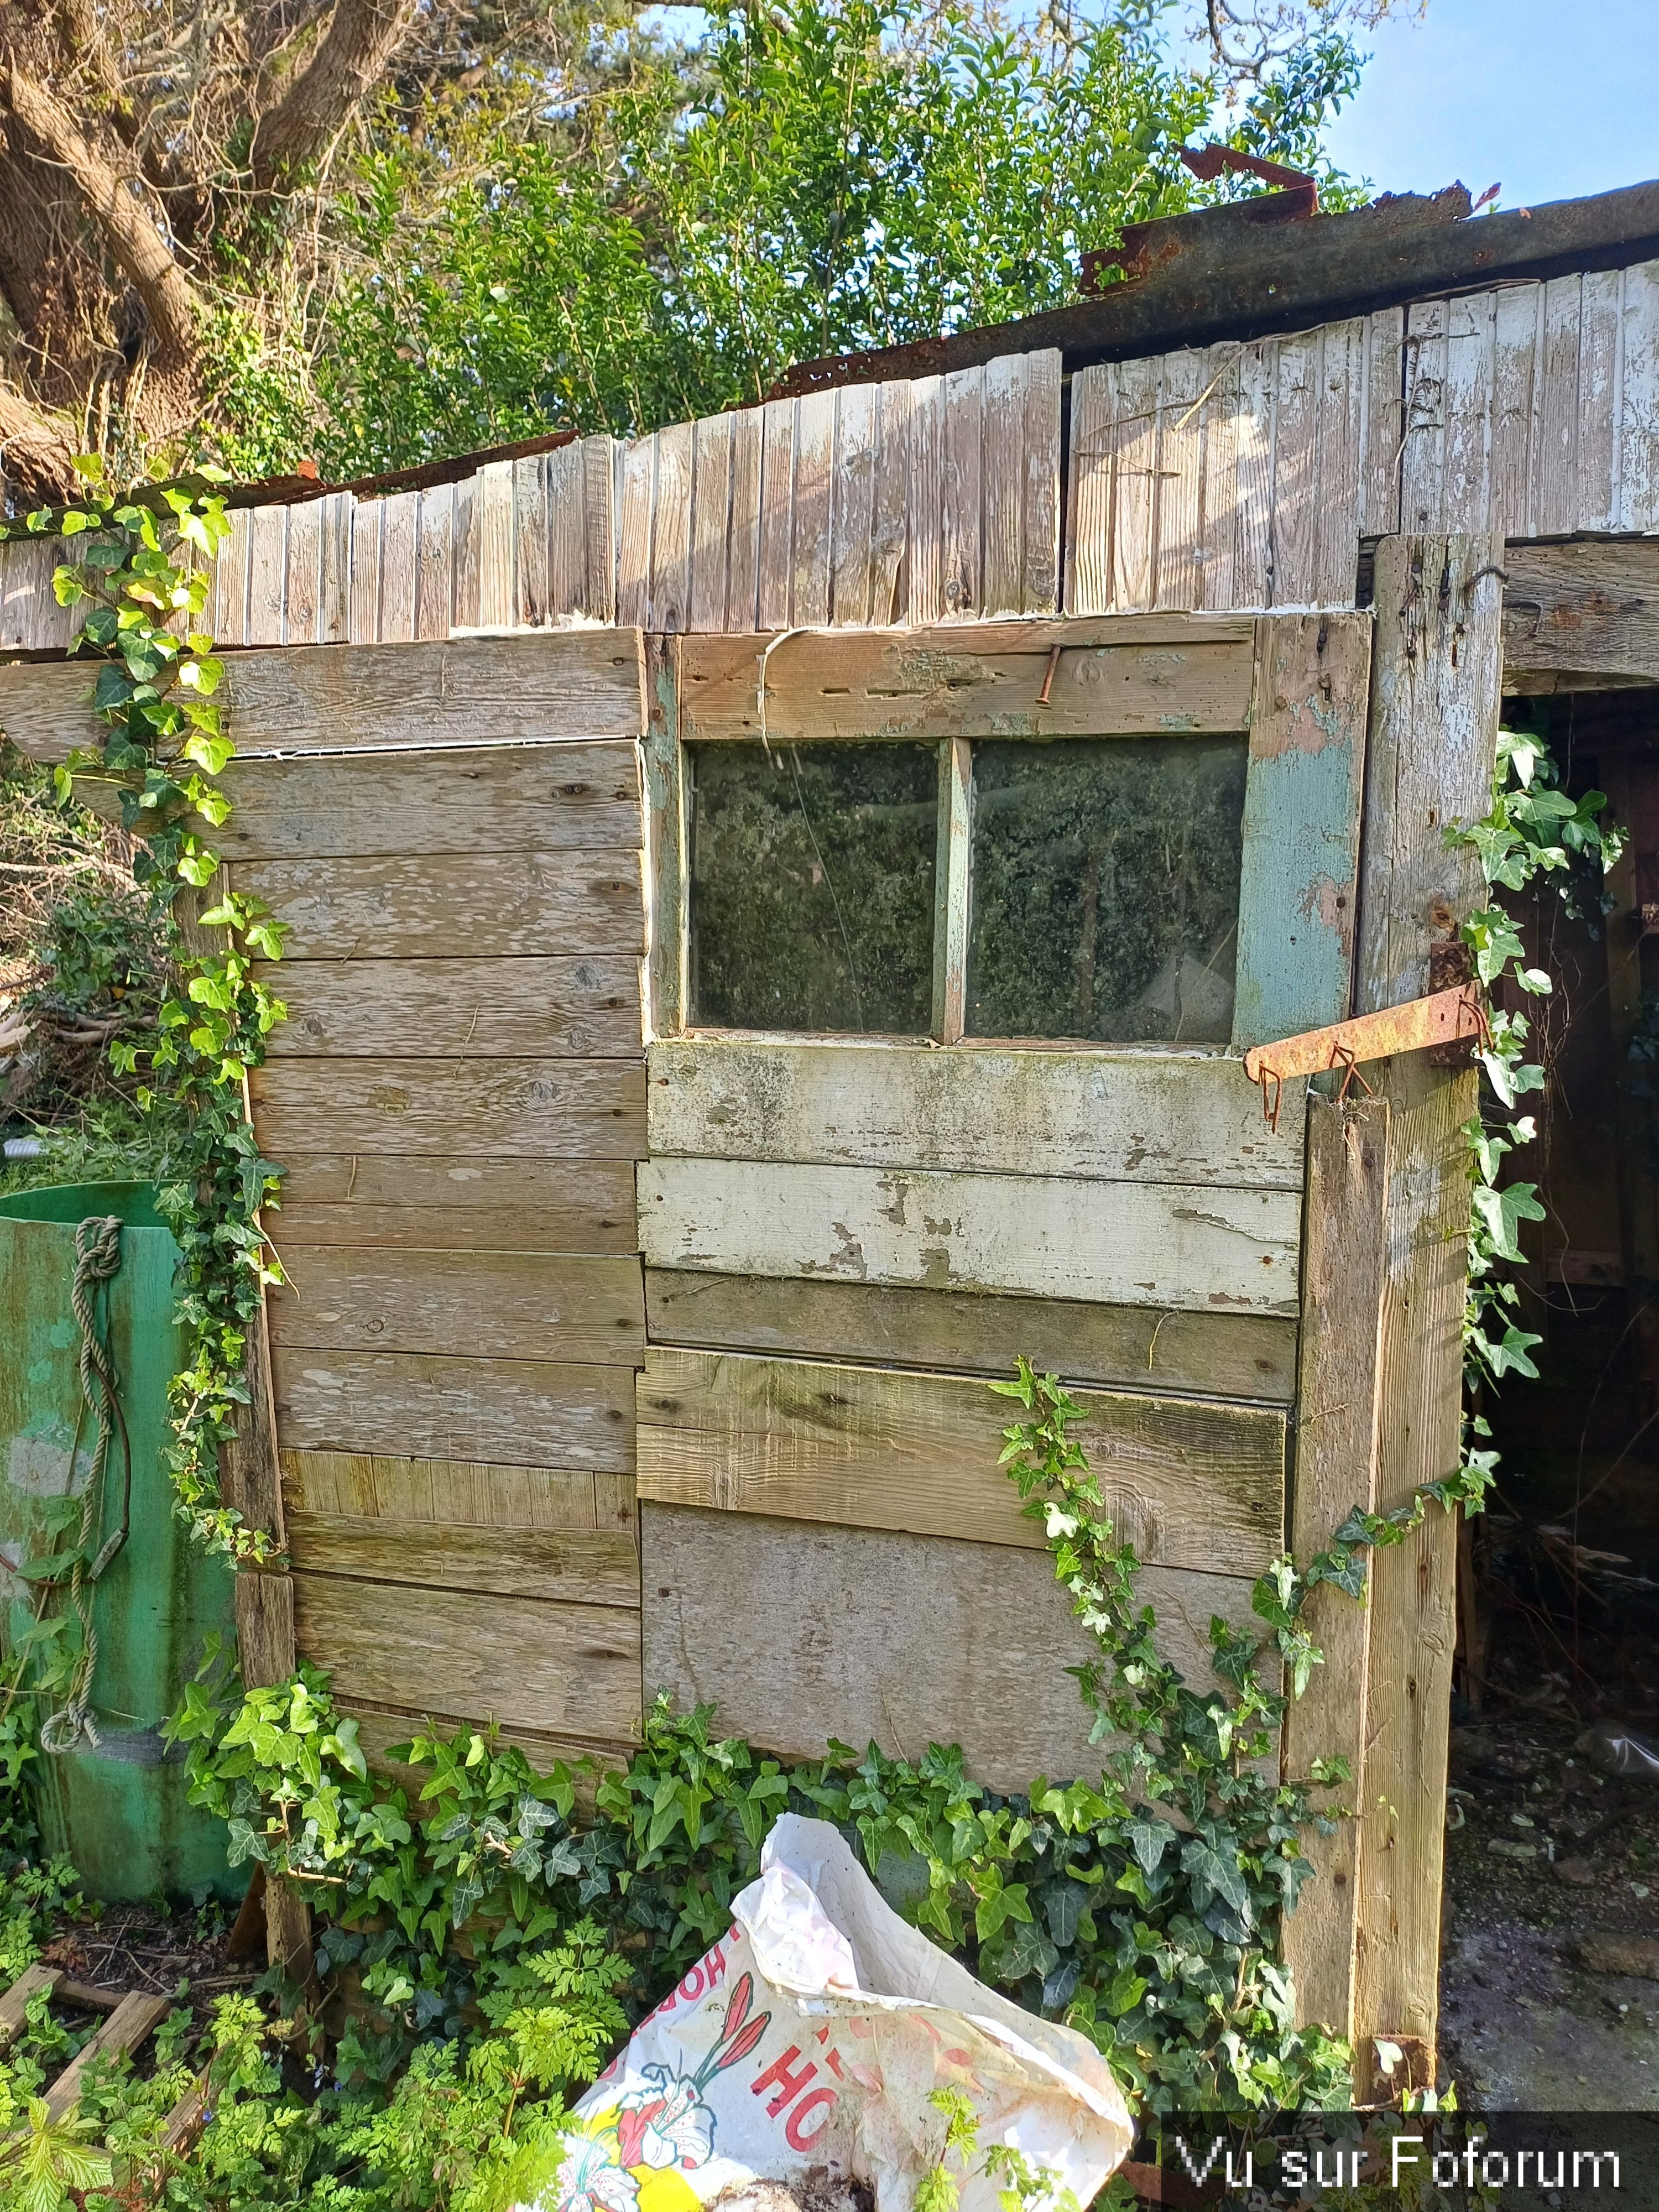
(813,886)
(1104,889)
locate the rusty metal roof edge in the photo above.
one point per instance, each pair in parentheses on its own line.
(1266,281)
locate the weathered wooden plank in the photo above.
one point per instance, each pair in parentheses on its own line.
(1435,707)
(501,1305)
(1181,454)
(1301,812)
(367,521)
(434,587)
(1586,609)
(711,518)
(1040,539)
(961,479)
(1152,1117)
(671,529)
(667,946)
(265,1626)
(1422,457)
(501,905)
(1088,565)
(951,918)
(1002,590)
(1555,501)
(854,504)
(1601,300)
(267,574)
(382,1728)
(743,544)
(334,576)
(774,575)
(524,1563)
(814,485)
(1345,1262)
(1466,501)
(587,1009)
(493,540)
(505,1411)
(127,2027)
(1381,436)
(495,798)
(1638,402)
(870,1636)
(467,1494)
(1516,333)
(1168,673)
(1135,487)
(541,1664)
(1251,1355)
(1341,431)
(1192,1485)
(638,468)
(891,498)
(923,574)
(1112,1243)
(564,478)
(13,2004)
(548,1109)
(230,575)
(1217,522)
(1297,491)
(598,602)
(305,575)
(1253,496)
(399,566)
(449,1202)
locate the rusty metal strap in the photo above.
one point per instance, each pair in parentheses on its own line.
(1421,1024)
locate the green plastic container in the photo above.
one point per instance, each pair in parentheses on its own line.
(119,1811)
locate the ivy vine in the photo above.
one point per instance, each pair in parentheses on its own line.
(138,577)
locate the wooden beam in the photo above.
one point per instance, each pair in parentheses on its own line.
(1192,1484)
(501,1305)
(580,1009)
(666,874)
(14,2005)
(124,2031)
(566,1110)
(524,1413)
(1218,1355)
(1588,612)
(1116,676)
(579,1568)
(457,1202)
(1344,1267)
(1435,700)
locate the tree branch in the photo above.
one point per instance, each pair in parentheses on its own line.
(37,450)
(143,252)
(349,59)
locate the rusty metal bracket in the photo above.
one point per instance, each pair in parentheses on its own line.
(1441,1019)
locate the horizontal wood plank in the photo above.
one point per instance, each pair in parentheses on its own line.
(1585,609)
(1167,675)
(510,1412)
(454,1202)
(432,905)
(1220,1355)
(1183,1245)
(363,1486)
(580,794)
(546,1109)
(1190,1484)
(501,1305)
(903,1641)
(332,699)
(1148,1117)
(582,1009)
(578,1567)
(539,1664)
(382,1728)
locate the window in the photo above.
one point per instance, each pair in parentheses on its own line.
(1103,889)
(1089,887)
(812,874)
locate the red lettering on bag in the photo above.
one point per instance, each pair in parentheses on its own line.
(692,1987)
(794,2134)
(788,2085)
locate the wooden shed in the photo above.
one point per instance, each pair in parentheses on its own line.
(777,907)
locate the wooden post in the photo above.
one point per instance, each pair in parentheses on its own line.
(1344,1272)
(1436,689)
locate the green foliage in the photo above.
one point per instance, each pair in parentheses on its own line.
(1534,834)
(139,582)
(810,179)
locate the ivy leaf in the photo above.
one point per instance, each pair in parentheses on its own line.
(1502,1212)
(1216,1873)
(1022,1950)
(1149,1840)
(1063,1905)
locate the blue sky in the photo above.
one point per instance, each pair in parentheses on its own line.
(1552,98)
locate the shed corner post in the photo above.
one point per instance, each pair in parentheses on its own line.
(664,977)
(1435,695)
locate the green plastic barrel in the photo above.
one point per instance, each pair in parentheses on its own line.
(117,1809)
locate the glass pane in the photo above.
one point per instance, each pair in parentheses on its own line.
(1105,889)
(812,887)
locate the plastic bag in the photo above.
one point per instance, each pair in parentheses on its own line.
(811,2037)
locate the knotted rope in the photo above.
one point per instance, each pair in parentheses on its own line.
(97,1261)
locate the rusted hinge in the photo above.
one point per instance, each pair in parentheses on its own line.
(1440,1019)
